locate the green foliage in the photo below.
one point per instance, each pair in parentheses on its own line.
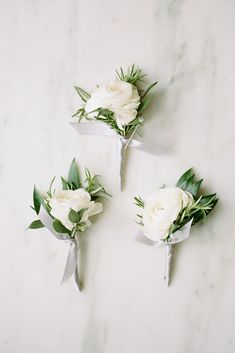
(188,183)
(132,75)
(37,200)
(73,182)
(76,216)
(36,224)
(82,94)
(197,211)
(93,186)
(139,202)
(59,227)
(49,193)
(201,206)
(73,177)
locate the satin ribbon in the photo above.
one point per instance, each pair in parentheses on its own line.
(71,267)
(101,129)
(175,238)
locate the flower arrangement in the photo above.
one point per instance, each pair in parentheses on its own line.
(170,211)
(66,212)
(119,104)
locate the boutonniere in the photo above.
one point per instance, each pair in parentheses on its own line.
(169,213)
(119,105)
(67,212)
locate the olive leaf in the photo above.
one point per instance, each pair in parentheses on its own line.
(36,224)
(73,177)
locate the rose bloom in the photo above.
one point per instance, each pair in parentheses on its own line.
(161,209)
(120,97)
(63,200)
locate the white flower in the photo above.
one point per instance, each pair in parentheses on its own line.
(120,97)
(64,200)
(161,209)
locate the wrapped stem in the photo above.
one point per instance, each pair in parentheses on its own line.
(168,262)
(121,159)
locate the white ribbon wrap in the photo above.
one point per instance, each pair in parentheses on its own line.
(175,238)
(99,128)
(71,267)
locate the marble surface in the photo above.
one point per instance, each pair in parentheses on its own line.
(46,48)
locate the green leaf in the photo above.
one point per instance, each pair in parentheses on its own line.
(82,94)
(73,177)
(139,202)
(64,184)
(149,89)
(206,205)
(36,224)
(50,187)
(37,200)
(59,227)
(144,104)
(194,188)
(76,216)
(185,179)
(208,199)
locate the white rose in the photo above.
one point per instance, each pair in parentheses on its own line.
(63,200)
(161,209)
(120,97)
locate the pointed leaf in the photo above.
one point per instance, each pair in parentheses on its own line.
(37,200)
(64,184)
(207,199)
(50,187)
(183,180)
(73,177)
(59,227)
(75,217)
(149,89)
(36,224)
(194,188)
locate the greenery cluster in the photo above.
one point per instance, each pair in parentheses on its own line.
(132,75)
(73,182)
(198,211)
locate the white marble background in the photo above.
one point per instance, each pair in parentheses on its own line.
(46,48)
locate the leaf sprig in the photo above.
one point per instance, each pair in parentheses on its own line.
(132,75)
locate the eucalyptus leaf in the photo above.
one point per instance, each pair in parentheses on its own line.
(36,224)
(76,216)
(59,227)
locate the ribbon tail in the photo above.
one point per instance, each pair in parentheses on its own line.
(71,264)
(77,279)
(121,161)
(168,263)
